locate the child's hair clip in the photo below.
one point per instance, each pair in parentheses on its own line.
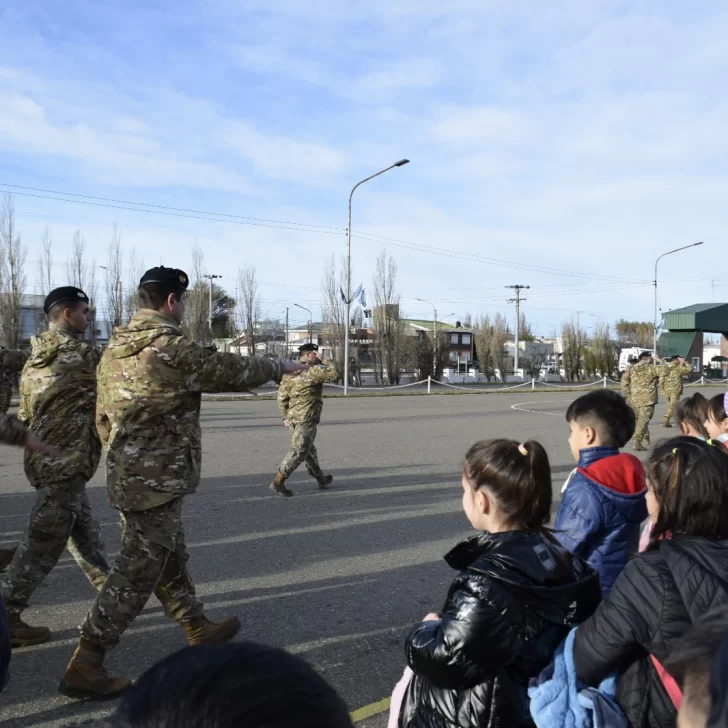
(522,449)
(674,451)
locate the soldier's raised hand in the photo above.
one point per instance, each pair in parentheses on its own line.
(291,367)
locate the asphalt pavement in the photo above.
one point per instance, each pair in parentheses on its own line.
(337,577)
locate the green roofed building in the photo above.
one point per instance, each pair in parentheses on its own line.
(683,330)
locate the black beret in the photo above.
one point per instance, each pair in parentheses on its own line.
(645,354)
(65,294)
(307,347)
(170,277)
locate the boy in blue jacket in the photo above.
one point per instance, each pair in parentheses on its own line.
(603,500)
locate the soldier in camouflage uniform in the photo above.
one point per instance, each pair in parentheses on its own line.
(671,384)
(14,432)
(11,364)
(58,404)
(148,416)
(300,402)
(639,384)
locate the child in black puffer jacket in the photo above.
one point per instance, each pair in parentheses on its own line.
(515,598)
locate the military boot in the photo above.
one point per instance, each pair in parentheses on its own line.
(666,423)
(324,481)
(6,556)
(637,447)
(279,486)
(23,635)
(86,676)
(201,631)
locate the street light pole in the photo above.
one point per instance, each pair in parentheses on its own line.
(669,252)
(401,163)
(310,321)
(210,277)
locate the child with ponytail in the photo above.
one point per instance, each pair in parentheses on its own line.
(515,597)
(717,421)
(682,575)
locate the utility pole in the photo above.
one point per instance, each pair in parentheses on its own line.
(210,276)
(578,328)
(286,355)
(517,300)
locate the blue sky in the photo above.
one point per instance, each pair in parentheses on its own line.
(586,137)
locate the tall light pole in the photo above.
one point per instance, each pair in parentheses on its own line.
(517,300)
(310,321)
(669,252)
(211,277)
(434,333)
(401,163)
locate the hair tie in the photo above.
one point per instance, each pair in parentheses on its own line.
(674,451)
(709,442)
(522,449)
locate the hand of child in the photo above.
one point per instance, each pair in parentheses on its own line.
(432,617)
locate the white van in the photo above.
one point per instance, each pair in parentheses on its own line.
(629,356)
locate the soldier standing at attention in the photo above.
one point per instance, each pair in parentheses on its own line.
(148,417)
(300,400)
(58,403)
(639,384)
(671,383)
(11,364)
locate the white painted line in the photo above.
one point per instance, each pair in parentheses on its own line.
(518,406)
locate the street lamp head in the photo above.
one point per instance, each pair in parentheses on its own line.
(700,243)
(402,162)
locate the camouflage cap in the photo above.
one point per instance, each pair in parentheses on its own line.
(170,277)
(307,347)
(65,294)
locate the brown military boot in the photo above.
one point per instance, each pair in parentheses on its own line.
(279,486)
(86,676)
(637,447)
(201,631)
(324,481)
(666,423)
(23,635)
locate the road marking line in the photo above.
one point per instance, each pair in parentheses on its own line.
(518,406)
(371,710)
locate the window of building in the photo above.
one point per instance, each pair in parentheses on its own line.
(453,356)
(466,338)
(696,363)
(454,338)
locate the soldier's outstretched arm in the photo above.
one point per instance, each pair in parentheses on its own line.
(15,359)
(220,371)
(326,372)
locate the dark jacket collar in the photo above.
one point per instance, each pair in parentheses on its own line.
(589,455)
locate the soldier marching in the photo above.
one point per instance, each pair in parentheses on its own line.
(671,384)
(639,385)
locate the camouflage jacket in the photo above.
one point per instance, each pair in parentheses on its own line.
(11,363)
(671,376)
(58,404)
(148,414)
(300,396)
(12,432)
(639,384)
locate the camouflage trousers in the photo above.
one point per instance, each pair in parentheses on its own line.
(60,517)
(152,559)
(672,399)
(302,449)
(6,392)
(641,431)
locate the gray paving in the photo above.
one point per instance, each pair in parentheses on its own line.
(337,577)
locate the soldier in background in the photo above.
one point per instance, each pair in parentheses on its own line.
(58,404)
(671,383)
(14,432)
(300,400)
(11,364)
(148,416)
(639,384)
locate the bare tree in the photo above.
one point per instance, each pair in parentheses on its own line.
(500,336)
(483,333)
(12,274)
(131,299)
(113,287)
(572,341)
(198,297)
(248,305)
(525,330)
(388,325)
(76,268)
(45,278)
(333,311)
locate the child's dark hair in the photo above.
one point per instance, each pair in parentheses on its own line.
(607,413)
(689,479)
(225,686)
(693,411)
(518,476)
(717,408)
